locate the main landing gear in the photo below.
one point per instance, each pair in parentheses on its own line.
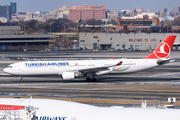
(90,78)
(21,79)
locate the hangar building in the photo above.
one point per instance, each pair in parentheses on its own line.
(107,41)
(11,39)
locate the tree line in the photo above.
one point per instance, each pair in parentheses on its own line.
(65,25)
(56,25)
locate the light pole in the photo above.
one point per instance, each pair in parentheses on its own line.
(50,26)
(106,26)
(101,28)
(64,28)
(26,46)
(78,28)
(24,27)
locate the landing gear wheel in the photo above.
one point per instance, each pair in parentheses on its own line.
(94,80)
(21,79)
(91,80)
(88,79)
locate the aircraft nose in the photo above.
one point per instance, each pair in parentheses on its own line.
(5,70)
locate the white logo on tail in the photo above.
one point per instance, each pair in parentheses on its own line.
(163,51)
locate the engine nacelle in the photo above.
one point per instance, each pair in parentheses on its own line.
(68,75)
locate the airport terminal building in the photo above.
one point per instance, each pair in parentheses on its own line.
(12,39)
(107,41)
(25,42)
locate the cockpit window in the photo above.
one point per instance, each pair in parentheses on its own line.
(9,66)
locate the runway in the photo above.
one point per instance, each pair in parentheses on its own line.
(155,84)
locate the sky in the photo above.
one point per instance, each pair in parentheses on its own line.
(113,5)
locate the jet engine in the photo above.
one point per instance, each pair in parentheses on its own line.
(68,75)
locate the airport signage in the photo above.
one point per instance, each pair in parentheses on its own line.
(50,118)
(142,40)
(171,100)
(46,64)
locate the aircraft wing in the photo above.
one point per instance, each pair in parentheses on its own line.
(96,69)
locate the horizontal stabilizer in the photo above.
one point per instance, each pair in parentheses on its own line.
(165,61)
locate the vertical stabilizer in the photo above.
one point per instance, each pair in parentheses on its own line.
(164,49)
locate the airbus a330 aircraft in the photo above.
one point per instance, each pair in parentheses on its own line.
(46,109)
(69,70)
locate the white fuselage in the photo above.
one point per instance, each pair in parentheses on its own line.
(45,109)
(35,68)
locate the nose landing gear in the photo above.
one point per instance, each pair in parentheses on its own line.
(21,79)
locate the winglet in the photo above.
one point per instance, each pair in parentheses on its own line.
(164,49)
(119,63)
(112,58)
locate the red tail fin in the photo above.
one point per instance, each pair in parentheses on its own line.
(164,49)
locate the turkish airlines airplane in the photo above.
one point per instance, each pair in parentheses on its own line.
(71,69)
(46,109)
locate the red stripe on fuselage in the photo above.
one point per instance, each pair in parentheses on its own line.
(11,107)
